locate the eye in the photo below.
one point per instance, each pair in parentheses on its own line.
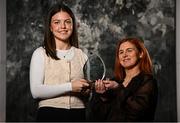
(120,52)
(129,50)
(56,22)
(68,22)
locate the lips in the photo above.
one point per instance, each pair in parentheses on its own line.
(63,32)
(125,60)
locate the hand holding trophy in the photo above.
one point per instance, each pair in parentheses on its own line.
(93,69)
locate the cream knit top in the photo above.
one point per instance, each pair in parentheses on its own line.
(57,72)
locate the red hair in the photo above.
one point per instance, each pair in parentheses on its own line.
(145,63)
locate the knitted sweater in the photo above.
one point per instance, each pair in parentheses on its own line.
(61,72)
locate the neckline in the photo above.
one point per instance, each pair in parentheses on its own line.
(127,83)
(66,54)
(59,50)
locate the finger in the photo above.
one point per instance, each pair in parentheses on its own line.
(98,85)
(83,80)
(96,82)
(101,86)
(107,85)
(106,82)
(85,84)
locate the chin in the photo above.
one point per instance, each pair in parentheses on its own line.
(64,39)
(129,66)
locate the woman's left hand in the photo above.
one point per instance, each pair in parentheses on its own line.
(110,84)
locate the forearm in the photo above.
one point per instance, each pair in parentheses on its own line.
(49,91)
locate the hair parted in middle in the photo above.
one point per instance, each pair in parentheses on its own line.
(49,40)
(145,63)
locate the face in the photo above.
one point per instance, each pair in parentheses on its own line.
(61,26)
(128,55)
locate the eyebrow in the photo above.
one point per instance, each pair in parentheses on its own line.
(61,19)
(126,49)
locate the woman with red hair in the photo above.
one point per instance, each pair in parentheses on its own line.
(132,94)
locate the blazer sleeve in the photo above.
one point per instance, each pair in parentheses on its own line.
(99,108)
(137,102)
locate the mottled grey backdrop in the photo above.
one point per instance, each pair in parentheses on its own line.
(100,24)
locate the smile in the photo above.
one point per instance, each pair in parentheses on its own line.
(62,32)
(124,60)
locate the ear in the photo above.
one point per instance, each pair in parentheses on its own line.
(141,55)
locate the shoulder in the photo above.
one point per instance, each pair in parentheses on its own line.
(39,50)
(39,53)
(38,56)
(149,79)
(79,52)
(77,49)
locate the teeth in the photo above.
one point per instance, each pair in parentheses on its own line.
(63,32)
(126,60)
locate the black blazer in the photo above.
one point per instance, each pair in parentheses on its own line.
(136,102)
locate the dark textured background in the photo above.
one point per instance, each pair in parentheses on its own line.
(100,24)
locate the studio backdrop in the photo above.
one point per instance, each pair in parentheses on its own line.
(101,23)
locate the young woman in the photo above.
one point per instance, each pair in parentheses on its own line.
(132,94)
(56,69)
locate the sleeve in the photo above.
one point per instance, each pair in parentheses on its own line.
(38,89)
(101,105)
(137,104)
(99,109)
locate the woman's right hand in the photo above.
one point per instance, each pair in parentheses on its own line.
(78,85)
(99,86)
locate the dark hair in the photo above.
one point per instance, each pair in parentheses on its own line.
(145,62)
(49,41)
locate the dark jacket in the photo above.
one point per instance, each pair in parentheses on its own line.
(136,102)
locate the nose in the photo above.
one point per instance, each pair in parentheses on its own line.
(124,54)
(62,25)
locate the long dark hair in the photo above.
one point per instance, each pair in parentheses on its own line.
(49,41)
(145,63)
